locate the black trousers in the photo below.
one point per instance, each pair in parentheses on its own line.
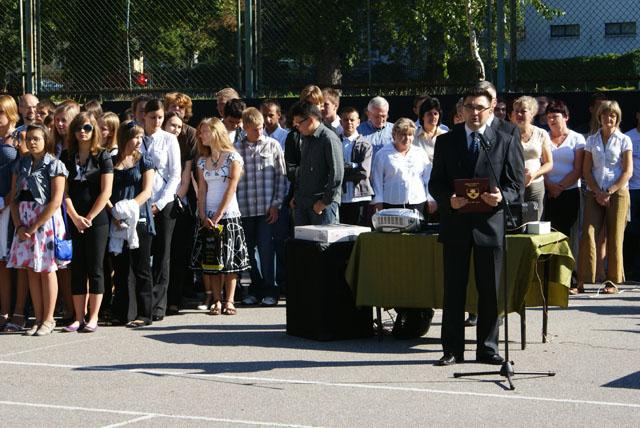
(88,260)
(134,284)
(353,212)
(180,276)
(488,266)
(161,252)
(562,211)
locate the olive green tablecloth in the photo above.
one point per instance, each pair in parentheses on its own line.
(405,270)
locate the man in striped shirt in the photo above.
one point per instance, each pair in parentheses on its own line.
(260,193)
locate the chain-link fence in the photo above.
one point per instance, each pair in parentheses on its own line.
(98,46)
(10,42)
(274,47)
(584,44)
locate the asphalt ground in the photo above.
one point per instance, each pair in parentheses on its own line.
(199,370)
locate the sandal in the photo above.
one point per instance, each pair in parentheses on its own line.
(608,287)
(136,324)
(216,308)
(576,290)
(229,309)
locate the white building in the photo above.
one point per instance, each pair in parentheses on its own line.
(588,27)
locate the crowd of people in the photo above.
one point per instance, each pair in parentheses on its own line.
(145,199)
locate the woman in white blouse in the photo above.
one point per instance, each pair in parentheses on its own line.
(401,171)
(537,150)
(430,116)
(607,167)
(164,150)
(562,183)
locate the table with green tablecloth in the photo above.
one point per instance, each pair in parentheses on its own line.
(406,271)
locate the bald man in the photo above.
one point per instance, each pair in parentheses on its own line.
(28,106)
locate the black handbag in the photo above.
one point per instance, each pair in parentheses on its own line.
(63,248)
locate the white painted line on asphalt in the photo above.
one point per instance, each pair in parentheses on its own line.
(26,351)
(130,421)
(507,396)
(149,415)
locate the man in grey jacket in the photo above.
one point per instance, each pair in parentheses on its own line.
(319,177)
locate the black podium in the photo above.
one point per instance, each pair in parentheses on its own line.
(320,304)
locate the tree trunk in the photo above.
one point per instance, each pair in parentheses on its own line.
(328,71)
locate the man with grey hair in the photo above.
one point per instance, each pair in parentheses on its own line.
(376,130)
(28,106)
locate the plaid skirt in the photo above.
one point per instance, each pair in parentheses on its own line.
(224,250)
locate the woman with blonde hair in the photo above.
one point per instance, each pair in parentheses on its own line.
(8,158)
(88,191)
(109,123)
(225,250)
(607,168)
(62,117)
(536,145)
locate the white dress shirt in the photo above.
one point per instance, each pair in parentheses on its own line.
(164,151)
(607,159)
(401,179)
(634,182)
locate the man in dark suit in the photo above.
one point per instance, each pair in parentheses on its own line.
(458,155)
(497,124)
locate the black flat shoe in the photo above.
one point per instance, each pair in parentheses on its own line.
(493,359)
(471,321)
(449,360)
(157,318)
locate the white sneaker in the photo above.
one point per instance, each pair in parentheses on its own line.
(250,300)
(269,301)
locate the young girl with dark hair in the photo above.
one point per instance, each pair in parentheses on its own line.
(163,149)
(38,186)
(132,185)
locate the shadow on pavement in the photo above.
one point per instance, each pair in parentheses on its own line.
(631,381)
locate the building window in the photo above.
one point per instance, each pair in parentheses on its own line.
(620,29)
(564,31)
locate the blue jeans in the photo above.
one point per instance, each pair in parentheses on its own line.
(281,232)
(304,214)
(259,235)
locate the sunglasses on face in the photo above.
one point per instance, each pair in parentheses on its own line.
(86,128)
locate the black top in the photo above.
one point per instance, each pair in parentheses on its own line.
(84,182)
(127,184)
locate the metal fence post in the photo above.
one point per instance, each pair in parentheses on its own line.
(500,45)
(513,44)
(489,40)
(248,48)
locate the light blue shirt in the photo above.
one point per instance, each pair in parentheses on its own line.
(377,137)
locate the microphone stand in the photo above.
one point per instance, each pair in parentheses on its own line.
(506,370)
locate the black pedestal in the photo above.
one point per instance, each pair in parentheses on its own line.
(320,304)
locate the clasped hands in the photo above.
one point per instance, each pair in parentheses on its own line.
(492,199)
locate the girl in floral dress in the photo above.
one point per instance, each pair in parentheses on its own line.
(38,183)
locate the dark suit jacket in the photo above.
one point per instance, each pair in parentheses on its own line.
(505,126)
(449,163)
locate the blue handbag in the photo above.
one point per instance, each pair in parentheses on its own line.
(63,247)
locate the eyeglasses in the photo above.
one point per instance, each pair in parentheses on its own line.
(473,108)
(301,122)
(87,127)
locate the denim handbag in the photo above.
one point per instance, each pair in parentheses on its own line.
(63,247)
